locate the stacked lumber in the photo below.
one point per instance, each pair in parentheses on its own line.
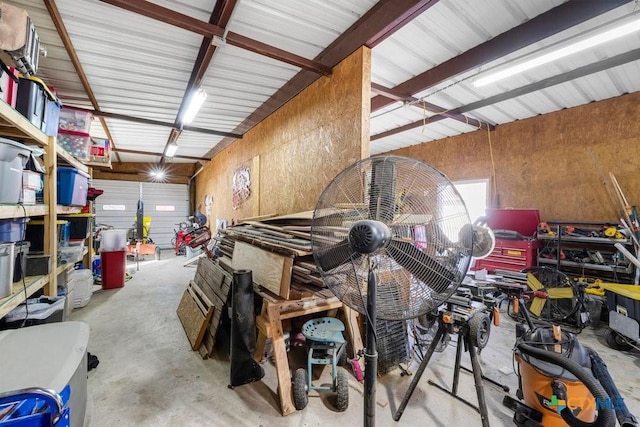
(278,251)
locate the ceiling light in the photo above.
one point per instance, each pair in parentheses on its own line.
(561,51)
(171,149)
(159,175)
(195,102)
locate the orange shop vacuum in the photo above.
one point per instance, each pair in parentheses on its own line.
(561,382)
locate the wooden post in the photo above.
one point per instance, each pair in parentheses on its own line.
(353,330)
(281,360)
(50,227)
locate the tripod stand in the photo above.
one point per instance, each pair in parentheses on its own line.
(473,333)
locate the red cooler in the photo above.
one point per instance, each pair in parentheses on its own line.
(113,265)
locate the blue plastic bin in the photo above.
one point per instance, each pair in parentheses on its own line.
(12,230)
(73,186)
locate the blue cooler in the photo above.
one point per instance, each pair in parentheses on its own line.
(73,186)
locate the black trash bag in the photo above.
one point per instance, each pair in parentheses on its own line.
(244,369)
(92,361)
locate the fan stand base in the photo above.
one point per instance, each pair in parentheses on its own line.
(463,340)
(477,377)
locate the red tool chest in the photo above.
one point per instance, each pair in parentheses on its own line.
(520,249)
(510,255)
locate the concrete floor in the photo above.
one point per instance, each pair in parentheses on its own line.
(148,375)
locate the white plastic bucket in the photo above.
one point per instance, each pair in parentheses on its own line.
(113,240)
(82,287)
(6,269)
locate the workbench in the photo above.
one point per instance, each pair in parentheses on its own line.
(269,325)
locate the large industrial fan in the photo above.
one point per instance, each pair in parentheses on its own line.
(392,239)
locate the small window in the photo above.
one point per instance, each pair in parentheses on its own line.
(475,195)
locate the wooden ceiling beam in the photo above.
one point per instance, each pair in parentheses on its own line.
(186,22)
(56,18)
(433,108)
(542,26)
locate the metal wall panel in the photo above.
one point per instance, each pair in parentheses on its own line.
(127,193)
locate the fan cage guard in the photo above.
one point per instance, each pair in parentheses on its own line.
(428,221)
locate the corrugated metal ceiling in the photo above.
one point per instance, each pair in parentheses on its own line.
(140,67)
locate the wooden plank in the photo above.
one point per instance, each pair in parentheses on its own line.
(283,230)
(267,267)
(194,315)
(215,283)
(308,265)
(294,243)
(281,361)
(353,331)
(285,280)
(256,218)
(303,228)
(308,279)
(226,264)
(264,244)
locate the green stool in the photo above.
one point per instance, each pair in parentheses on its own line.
(325,346)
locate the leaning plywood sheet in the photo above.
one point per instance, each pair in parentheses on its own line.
(194,312)
(270,270)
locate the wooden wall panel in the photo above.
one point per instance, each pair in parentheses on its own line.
(299,148)
(544,162)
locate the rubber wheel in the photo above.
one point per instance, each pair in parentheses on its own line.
(342,390)
(479,330)
(342,360)
(300,397)
(616,341)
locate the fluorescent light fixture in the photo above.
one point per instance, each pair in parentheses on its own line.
(195,102)
(171,149)
(562,51)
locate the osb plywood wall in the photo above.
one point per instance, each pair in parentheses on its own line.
(546,162)
(295,152)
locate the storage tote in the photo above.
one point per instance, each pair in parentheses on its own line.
(72,187)
(13,158)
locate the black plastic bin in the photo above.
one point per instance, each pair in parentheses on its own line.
(31,101)
(20,265)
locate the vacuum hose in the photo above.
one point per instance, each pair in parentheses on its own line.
(606,417)
(599,368)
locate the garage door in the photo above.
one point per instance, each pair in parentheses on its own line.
(166,204)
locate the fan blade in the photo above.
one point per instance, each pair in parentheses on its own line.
(382,193)
(560,293)
(334,256)
(533,282)
(537,305)
(413,259)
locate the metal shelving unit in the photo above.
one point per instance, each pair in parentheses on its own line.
(604,246)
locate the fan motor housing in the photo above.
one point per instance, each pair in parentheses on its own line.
(367,236)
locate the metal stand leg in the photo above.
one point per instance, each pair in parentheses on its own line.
(420,371)
(477,377)
(504,388)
